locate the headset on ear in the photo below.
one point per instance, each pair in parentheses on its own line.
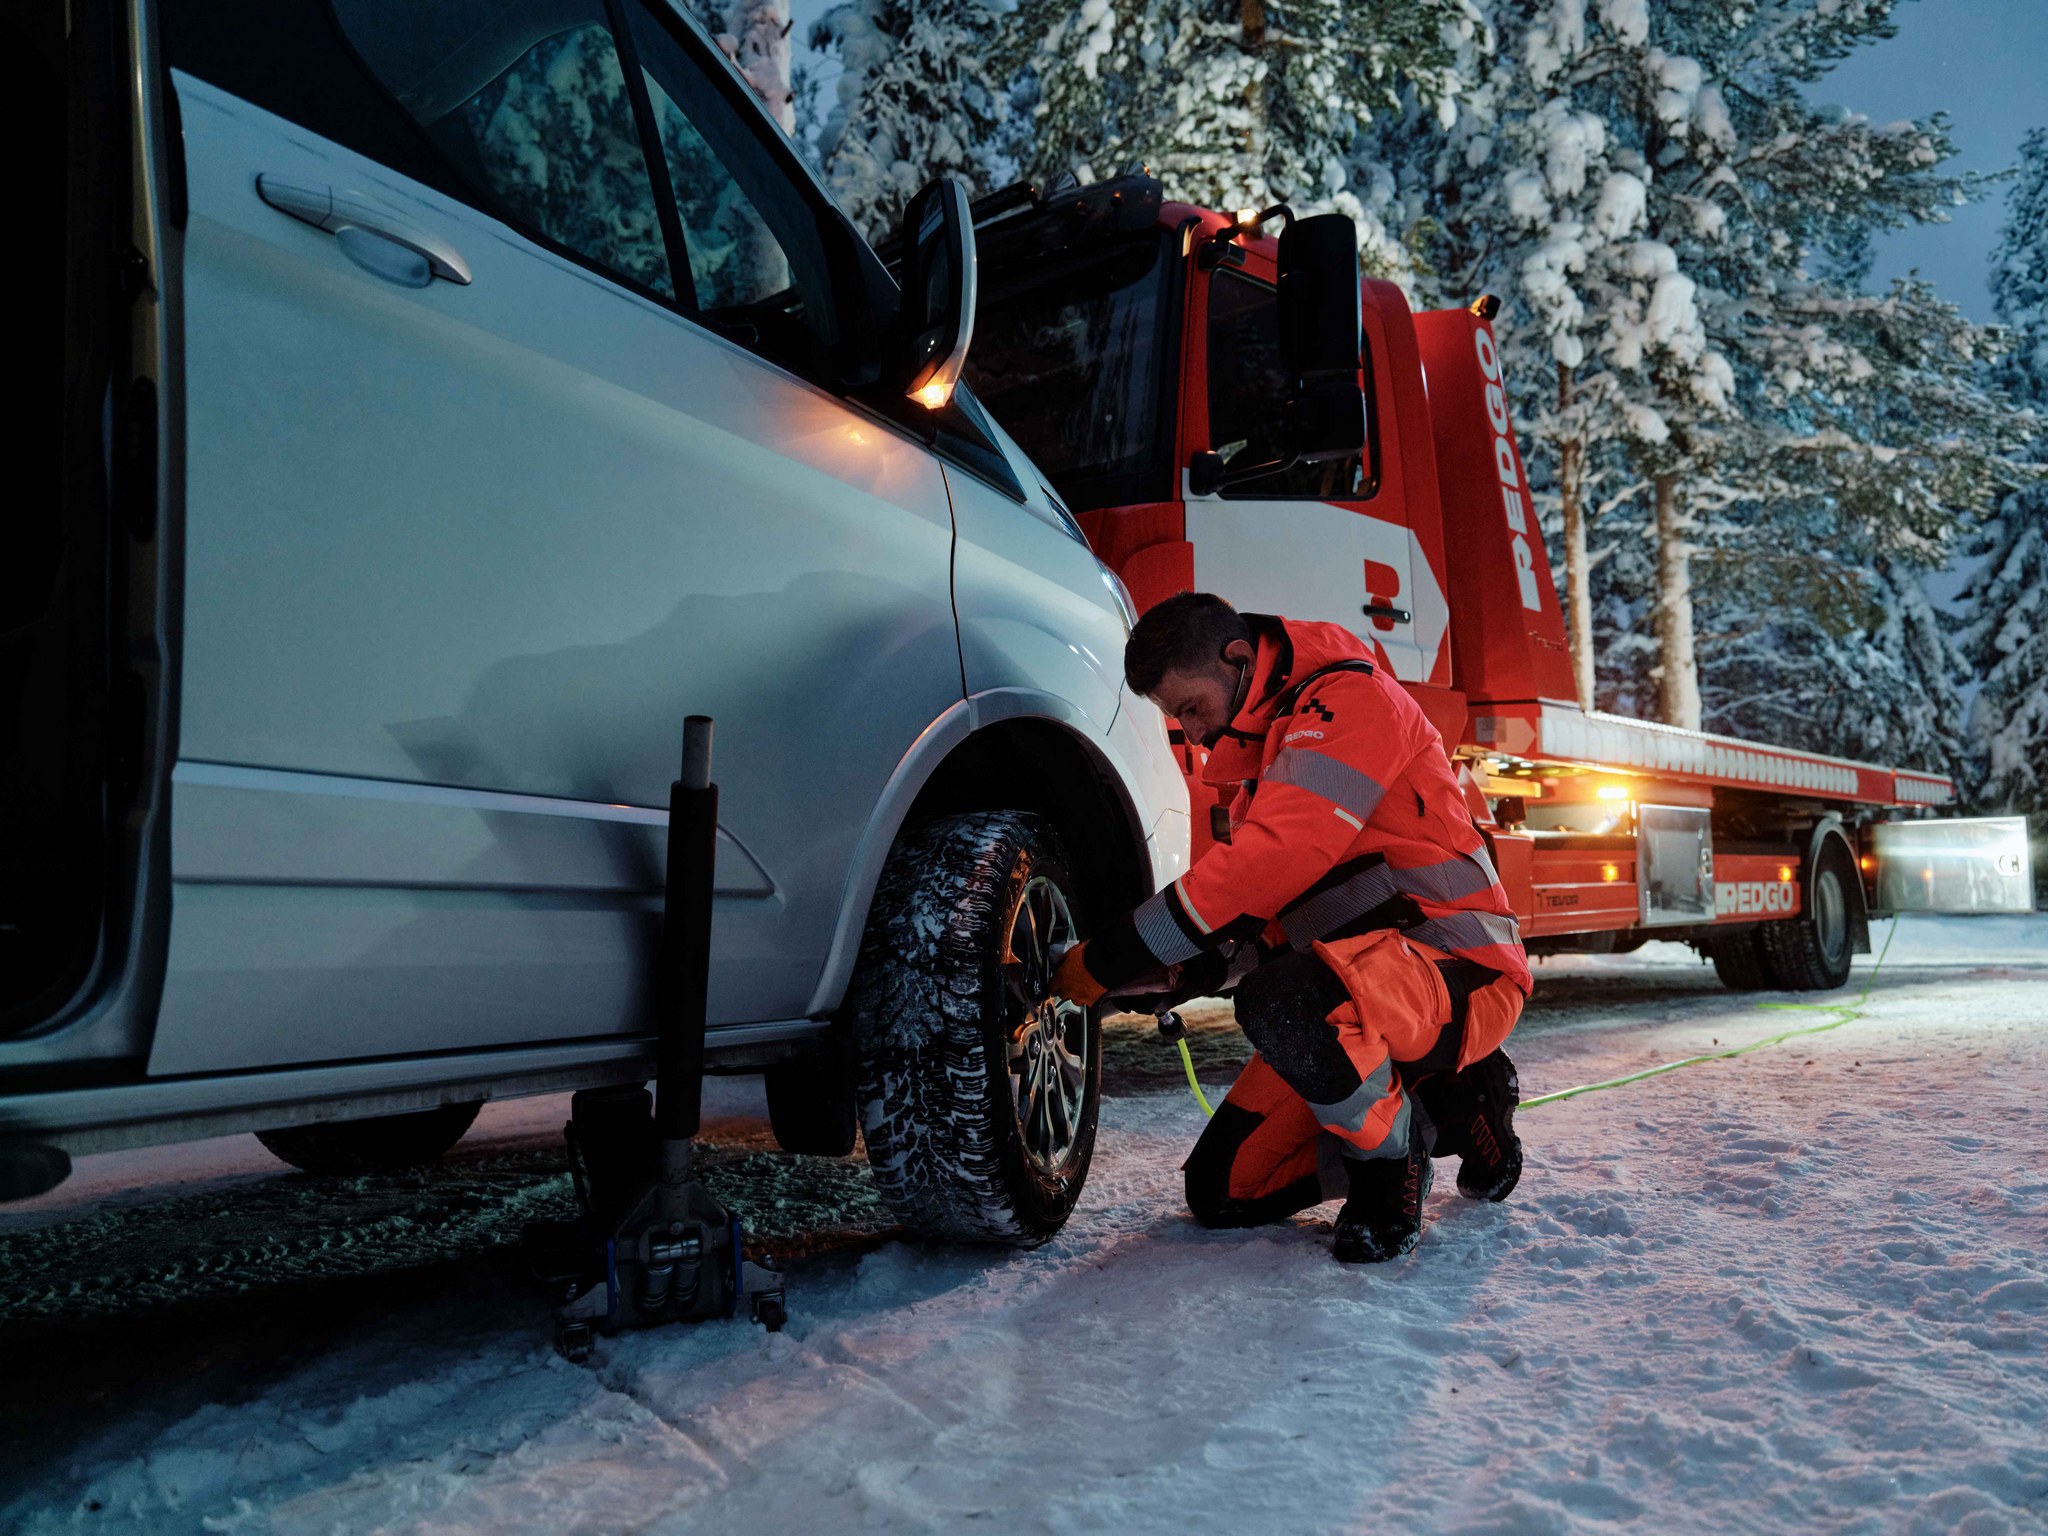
(1243,682)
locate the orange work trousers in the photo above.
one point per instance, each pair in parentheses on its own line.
(1402,1013)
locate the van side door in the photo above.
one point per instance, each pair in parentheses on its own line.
(510,442)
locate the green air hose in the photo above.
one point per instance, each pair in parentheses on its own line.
(1843,1013)
(1187,1060)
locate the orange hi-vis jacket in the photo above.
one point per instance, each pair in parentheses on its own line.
(1348,822)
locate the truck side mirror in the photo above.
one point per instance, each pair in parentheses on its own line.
(1322,338)
(936,320)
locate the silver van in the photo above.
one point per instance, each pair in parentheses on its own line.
(456,395)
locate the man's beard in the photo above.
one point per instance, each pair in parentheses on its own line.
(1236,703)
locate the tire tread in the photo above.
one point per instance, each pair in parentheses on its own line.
(935,1140)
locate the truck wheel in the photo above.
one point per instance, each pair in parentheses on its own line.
(978,1095)
(1738,957)
(385,1144)
(1811,952)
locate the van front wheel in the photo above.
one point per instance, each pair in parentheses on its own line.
(978,1092)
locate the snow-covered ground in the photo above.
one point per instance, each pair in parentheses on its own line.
(1804,1290)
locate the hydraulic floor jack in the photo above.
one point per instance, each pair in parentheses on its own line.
(652,1244)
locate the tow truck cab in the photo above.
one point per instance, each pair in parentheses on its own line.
(1134,346)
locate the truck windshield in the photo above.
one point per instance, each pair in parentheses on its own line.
(1066,355)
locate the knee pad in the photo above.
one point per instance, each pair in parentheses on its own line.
(1206,1173)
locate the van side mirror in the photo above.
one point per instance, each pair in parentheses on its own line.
(1322,338)
(936,319)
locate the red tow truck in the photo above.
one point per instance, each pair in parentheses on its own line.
(1190,388)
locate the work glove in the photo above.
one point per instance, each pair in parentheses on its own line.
(1073,980)
(1213,973)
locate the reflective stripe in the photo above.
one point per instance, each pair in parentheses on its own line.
(1454,879)
(1467,930)
(1350,1114)
(1180,891)
(1332,909)
(1393,1144)
(1337,782)
(1451,881)
(1167,940)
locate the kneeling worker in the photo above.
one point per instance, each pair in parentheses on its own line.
(1375,962)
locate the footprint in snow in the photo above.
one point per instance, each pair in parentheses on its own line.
(1815,1367)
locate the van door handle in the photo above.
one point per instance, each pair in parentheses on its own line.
(373,237)
(1387,611)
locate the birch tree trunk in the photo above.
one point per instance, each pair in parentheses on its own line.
(760,34)
(1678,670)
(1252,27)
(1571,459)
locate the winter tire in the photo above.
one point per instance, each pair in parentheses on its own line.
(1738,957)
(978,1095)
(1811,952)
(385,1144)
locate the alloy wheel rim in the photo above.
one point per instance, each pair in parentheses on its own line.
(1048,1047)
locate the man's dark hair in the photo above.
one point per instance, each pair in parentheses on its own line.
(1185,633)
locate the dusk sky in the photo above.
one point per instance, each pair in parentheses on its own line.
(1982,62)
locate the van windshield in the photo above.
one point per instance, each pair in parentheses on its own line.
(1067,355)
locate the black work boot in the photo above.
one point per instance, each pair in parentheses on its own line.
(1383,1217)
(1491,1161)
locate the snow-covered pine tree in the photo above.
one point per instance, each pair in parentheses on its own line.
(760,47)
(1232,103)
(589,189)
(2006,634)
(918,98)
(1539,199)
(1548,192)
(2006,637)
(1884,447)
(755,35)
(1865,667)
(1720,366)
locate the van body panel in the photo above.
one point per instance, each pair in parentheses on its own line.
(503,536)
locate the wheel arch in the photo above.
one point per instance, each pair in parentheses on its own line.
(1007,749)
(1830,831)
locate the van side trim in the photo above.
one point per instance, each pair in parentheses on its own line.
(303,782)
(110,1117)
